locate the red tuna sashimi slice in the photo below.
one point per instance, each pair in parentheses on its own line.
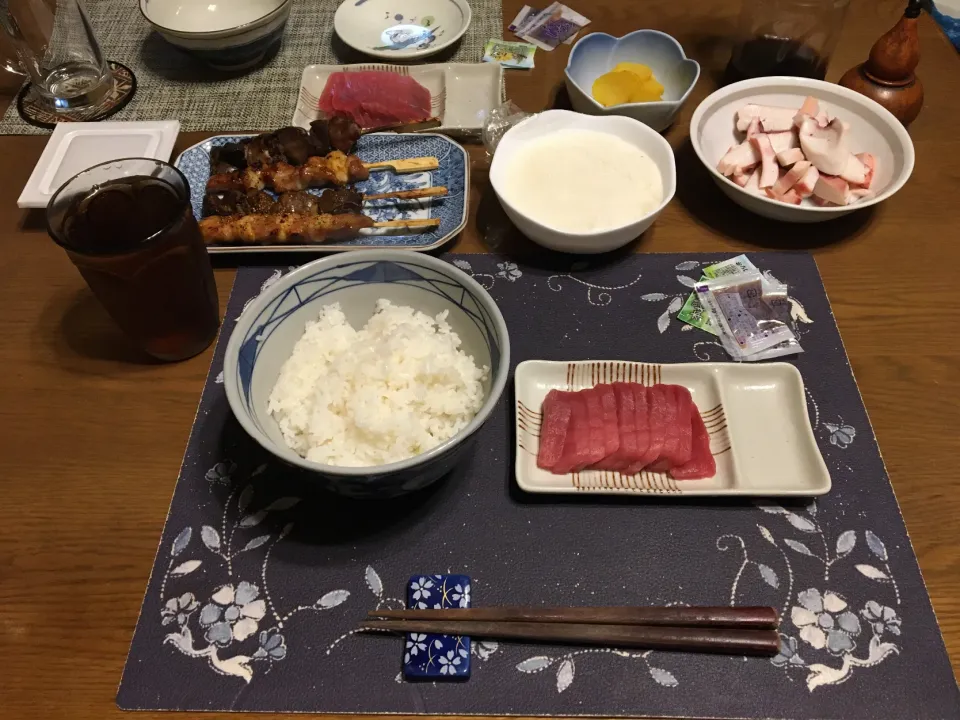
(669,454)
(554,425)
(650,430)
(686,409)
(576,448)
(611,429)
(375,97)
(604,440)
(702,463)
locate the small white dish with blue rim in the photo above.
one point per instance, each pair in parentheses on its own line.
(453,173)
(598,53)
(269,327)
(401,29)
(231,35)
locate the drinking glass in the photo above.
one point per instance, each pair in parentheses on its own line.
(59,51)
(128,227)
(786,37)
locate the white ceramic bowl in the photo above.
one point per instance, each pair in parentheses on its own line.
(598,53)
(632,131)
(401,29)
(226,35)
(269,327)
(872,129)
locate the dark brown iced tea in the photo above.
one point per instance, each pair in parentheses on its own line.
(128,227)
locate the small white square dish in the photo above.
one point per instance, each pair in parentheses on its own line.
(461,94)
(74,147)
(756,415)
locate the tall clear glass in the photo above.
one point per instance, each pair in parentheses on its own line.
(59,51)
(129,228)
(786,37)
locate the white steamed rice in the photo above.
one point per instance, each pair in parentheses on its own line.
(392,390)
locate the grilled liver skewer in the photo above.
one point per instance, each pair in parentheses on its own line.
(295,228)
(334,169)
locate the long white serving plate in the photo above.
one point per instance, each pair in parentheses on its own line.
(756,414)
(461,94)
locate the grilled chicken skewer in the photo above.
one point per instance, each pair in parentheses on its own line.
(334,169)
(332,201)
(295,228)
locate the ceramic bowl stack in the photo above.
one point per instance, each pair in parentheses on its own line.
(271,325)
(226,35)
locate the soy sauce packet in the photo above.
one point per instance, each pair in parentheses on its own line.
(693,312)
(552,26)
(509,54)
(751,314)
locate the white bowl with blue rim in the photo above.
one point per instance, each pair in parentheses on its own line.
(401,29)
(269,327)
(451,209)
(230,35)
(598,53)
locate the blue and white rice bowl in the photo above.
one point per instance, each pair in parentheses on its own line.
(231,35)
(270,326)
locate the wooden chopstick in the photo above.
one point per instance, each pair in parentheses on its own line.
(689,639)
(729,617)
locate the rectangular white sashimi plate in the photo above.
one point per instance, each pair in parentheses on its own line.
(760,431)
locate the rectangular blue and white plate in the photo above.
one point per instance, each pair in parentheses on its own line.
(451,209)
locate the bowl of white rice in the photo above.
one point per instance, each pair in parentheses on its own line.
(372,369)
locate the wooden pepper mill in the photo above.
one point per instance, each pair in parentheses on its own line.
(887,76)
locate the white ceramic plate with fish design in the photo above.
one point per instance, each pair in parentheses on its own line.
(401,29)
(461,94)
(760,433)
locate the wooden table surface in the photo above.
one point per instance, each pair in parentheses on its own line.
(92,436)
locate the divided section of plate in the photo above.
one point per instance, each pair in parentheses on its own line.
(756,415)
(451,209)
(461,94)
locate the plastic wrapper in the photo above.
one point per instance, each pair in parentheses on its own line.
(498,121)
(751,315)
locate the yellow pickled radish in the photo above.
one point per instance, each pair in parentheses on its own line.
(616,87)
(627,83)
(643,71)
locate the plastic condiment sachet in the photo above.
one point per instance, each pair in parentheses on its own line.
(752,315)
(498,121)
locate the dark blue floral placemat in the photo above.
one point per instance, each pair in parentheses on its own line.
(260,578)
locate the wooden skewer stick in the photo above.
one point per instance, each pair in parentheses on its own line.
(409,224)
(409,165)
(438,191)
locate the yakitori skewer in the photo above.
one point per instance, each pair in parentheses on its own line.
(332,201)
(297,228)
(334,169)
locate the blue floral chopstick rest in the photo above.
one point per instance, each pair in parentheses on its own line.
(426,655)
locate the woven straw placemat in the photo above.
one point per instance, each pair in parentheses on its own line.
(173,86)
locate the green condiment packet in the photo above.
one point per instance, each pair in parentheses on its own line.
(509,54)
(693,312)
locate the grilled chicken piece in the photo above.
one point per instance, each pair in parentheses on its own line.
(336,133)
(334,169)
(292,228)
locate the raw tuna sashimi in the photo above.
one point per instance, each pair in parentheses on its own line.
(685,410)
(654,427)
(611,429)
(702,463)
(626,428)
(554,425)
(576,450)
(374,98)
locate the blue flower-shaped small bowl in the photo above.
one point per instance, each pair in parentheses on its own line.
(597,53)
(272,324)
